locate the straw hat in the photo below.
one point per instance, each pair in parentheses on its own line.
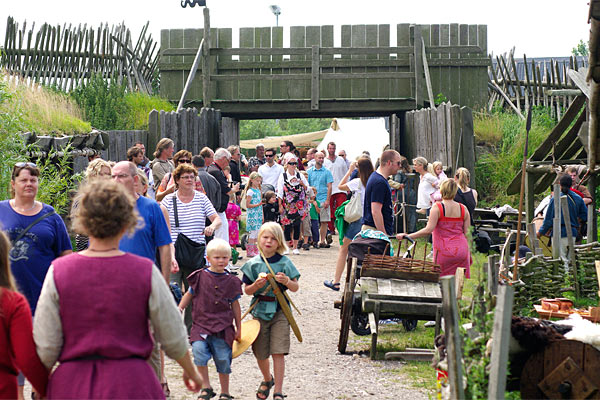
(250,331)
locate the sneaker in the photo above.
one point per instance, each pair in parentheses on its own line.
(324,245)
(286,252)
(315,245)
(296,251)
(306,246)
(429,324)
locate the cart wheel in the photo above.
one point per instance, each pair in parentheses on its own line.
(360,324)
(347,308)
(409,324)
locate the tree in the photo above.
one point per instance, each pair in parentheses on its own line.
(582,49)
(260,128)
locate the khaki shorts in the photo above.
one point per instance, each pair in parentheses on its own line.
(325,214)
(306,226)
(273,338)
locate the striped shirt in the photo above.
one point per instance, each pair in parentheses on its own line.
(192,216)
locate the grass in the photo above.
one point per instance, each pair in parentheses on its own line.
(139,106)
(41,110)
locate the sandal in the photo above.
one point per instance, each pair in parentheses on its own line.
(279,396)
(166,390)
(225,396)
(206,394)
(265,392)
(332,286)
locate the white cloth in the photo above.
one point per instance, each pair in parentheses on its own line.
(426,188)
(311,163)
(223,231)
(338,169)
(356,186)
(167,325)
(543,206)
(293,180)
(269,174)
(505,208)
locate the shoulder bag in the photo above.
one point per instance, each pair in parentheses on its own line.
(24,231)
(189,254)
(353,211)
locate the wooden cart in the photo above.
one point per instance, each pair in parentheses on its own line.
(380,293)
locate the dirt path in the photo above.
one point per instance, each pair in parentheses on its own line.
(314,368)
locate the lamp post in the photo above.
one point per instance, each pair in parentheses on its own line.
(277,11)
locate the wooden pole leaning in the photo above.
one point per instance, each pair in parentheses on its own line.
(527,128)
(188,83)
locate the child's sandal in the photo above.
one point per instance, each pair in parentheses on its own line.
(279,396)
(225,396)
(267,391)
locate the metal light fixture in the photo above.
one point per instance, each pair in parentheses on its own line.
(277,11)
(193,3)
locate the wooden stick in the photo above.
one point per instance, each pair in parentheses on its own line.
(287,296)
(500,339)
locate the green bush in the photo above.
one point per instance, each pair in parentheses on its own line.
(495,170)
(260,128)
(108,105)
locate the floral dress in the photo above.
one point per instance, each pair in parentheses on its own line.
(254,215)
(232,212)
(295,205)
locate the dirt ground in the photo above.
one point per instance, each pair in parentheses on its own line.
(314,368)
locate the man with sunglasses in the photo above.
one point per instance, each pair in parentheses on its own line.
(270,171)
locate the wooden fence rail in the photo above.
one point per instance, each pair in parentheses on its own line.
(67,56)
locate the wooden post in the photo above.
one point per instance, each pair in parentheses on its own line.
(571,241)
(153,131)
(597,263)
(206,60)
(534,243)
(453,346)
(191,76)
(492,274)
(500,338)
(315,79)
(556,224)
(529,195)
(428,78)
(418,59)
(592,223)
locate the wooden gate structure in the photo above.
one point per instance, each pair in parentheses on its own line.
(367,76)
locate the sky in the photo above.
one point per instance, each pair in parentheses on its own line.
(537,28)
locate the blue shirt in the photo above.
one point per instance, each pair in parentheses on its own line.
(378,191)
(577,210)
(32,255)
(319,178)
(153,234)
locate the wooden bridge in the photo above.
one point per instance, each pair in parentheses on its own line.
(367,76)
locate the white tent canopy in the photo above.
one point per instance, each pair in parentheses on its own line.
(355,136)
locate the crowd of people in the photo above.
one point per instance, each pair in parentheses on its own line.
(145,228)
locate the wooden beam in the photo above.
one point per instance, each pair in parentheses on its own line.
(206,61)
(501,336)
(191,76)
(497,88)
(571,240)
(315,79)
(453,339)
(564,92)
(428,79)
(556,224)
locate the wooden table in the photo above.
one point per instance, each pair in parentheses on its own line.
(397,298)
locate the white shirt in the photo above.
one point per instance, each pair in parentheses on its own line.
(269,174)
(356,186)
(425,190)
(293,180)
(338,169)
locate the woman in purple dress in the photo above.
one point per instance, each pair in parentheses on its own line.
(97,306)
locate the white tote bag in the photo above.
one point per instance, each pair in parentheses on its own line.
(353,209)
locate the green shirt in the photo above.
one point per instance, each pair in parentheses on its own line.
(313,211)
(265,310)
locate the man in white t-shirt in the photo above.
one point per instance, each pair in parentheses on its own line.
(338,169)
(270,171)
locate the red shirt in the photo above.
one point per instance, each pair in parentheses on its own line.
(17,350)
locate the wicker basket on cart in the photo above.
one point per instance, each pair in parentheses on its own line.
(396,267)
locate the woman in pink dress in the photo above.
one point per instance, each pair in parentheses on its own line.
(449,222)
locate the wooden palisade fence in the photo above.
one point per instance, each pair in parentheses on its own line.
(367,73)
(67,56)
(443,134)
(552,83)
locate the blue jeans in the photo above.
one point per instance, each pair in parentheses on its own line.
(216,348)
(353,228)
(314,228)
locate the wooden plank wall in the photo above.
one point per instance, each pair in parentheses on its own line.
(66,56)
(120,141)
(190,128)
(436,135)
(459,75)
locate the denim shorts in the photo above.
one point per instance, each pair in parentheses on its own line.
(353,228)
(216,348)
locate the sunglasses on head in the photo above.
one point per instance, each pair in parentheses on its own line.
(25,164)
(293,163)
(184,160)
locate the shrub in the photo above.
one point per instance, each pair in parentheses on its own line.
(56,181)
(138,107)
(103,102)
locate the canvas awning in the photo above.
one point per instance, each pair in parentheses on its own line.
(310,139)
